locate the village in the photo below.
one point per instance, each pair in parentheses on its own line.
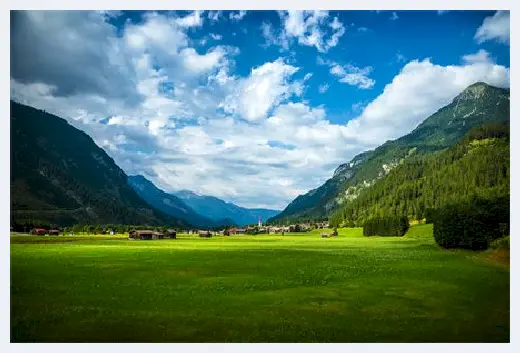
(152,234)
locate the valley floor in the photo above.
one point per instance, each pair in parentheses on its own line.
(293,288)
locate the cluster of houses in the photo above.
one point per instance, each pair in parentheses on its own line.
(150,234)
(43,231)
(172,234)
(303,227)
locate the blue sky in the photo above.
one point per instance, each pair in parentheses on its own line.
(374,40)
(255,107)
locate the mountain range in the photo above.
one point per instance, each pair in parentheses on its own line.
(171,204)
(60,176)
(215,209)
(478,104)
(190,206)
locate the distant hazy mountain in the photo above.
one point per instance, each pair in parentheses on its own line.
(171,204)
(477,104)
(215,208)
(60,176)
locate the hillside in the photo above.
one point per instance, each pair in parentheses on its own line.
(478,166)
(217,209)
(477,104)
(60,176)
(171,204)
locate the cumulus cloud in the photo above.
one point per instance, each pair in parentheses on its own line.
(197,123)
(349,74)
(192,20)
(496,27)
(41,51)
(214,16)
(308,28)
(481,56)
(266,86)
(201,63)
(420,89)
(352,75)
(237,16)
(323,88)
(270,36)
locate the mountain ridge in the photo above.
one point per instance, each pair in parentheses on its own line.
(54,183)
(216,208)
(171,204)
(476,104)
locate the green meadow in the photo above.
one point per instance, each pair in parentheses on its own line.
(268,288)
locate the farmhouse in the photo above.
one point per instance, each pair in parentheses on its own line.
(39,231)
(141,234)
(157,235)
(322,225)
(170,233)
(205,234)
(237,231)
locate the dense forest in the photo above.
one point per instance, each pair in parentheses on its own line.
(478,166)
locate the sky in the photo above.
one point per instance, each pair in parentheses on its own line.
(254,107)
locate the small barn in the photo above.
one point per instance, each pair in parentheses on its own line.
(171,233)
(157,235)
(38,231)
(141,234)
(205,234)
(54,232)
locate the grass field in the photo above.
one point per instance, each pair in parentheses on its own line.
(292,288)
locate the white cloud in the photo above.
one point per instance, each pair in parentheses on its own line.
(309,28)
(237,16)
(496,27)
(265,87)
(353,75)
(271,38)
(202,63)
(192,20)
(394,16)
(323,88)
(418,91)
(215,36)
(481,56)
(249,139)
(339,31)
(214,16)
(157,32)
(349,74)
(400,58)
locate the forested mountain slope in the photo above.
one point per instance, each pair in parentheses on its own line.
(60,176)
(477,104)
(477,167)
